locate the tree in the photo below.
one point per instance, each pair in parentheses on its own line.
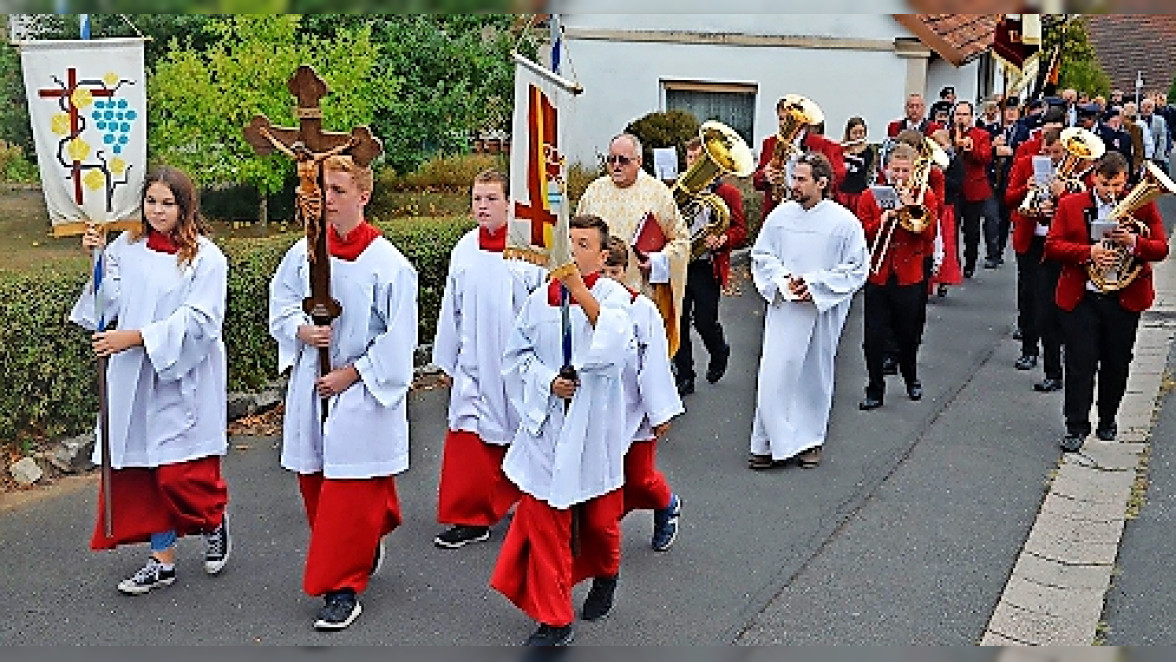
(200,101)
(1079,67)
(672,128)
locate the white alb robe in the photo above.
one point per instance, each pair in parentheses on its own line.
(565,459)
(825,246)
(483,295)
(167,397)
(366,431)
(651,396)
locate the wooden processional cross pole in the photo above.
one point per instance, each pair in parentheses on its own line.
(309,146)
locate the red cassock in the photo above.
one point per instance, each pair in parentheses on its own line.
(189,497)
(645,486)
(926,127)
(976,186)
(347,519)
(473,490)
(736,231)
(1069,242)
(536,569)
(811,143)
(905,254)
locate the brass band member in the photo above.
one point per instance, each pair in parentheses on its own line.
(897,281)
(705,278)
(974,147)
(772,172)
(1099,327)
(1037,278)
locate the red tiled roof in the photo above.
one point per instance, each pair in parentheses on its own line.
(957,38)
(1130,43)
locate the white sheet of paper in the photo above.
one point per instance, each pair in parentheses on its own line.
(886,197)
(1043,170)
(1099,229)
(665,162)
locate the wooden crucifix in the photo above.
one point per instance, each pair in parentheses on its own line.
(309,146)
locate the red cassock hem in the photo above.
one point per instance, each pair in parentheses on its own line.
(189,497)
(535,568)
(347,519)
(473,490)
(645,487)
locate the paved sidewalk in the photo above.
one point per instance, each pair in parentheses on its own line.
(1058,588)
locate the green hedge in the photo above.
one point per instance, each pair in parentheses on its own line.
(48,371)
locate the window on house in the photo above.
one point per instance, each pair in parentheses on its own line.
(732,104)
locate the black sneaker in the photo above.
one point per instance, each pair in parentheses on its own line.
(460,536)
(550,635)
(341,608)
(148,577)
(1072,442)
(217,546)
(378,559)
(1026,362)
(665,524)
(600,599)
(1106,431)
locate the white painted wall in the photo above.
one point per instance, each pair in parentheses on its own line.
(623,80)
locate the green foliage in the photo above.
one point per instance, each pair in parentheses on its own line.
(200,101)
(14,108)
(1079,67)
(46,362)
(1172,92)
(443,173)
(14,167)
(672,128)
(457,76)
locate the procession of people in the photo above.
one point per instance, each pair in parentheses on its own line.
(561,387)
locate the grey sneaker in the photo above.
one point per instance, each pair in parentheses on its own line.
(217,546)
(148,577)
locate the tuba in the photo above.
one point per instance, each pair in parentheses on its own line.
(723,152)
(1126,267)
(1081,146)
(801,112)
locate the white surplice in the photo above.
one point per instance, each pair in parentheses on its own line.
(565,459)
(366,431)
(167,397)
(483,295)
(827,248)
(651,396)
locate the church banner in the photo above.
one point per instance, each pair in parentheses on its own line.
(88,108)
(538,169)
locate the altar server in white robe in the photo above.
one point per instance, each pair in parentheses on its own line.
(809,260)
(651,402)
(163,289)
(483,295)
(346,466)
(567,456)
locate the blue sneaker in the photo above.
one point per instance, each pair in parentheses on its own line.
(665,524)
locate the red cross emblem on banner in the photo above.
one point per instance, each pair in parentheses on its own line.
(541,166)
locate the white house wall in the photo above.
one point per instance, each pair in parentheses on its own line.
(623,78)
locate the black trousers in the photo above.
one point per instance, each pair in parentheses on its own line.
(1099,337)
(1028,272)
(700,304)
(970,213)
(1004,223)
(892,310)
(1049,317)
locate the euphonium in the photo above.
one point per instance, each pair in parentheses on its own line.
(1126,267)
(801,112)
(723,152)
(916,217)
(1081,146)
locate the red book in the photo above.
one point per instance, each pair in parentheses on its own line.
(649,237)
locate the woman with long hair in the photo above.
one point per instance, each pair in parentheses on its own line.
(860,158)
(163,296)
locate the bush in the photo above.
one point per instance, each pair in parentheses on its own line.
(14,167)
(669,129)
(442,173)
(49,370)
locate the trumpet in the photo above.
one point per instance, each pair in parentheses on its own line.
(1126,267)
(1081,146)
(801,112)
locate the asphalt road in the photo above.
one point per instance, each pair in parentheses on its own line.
(904,535)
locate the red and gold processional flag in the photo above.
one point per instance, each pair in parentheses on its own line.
(1016,43)
(538,168)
